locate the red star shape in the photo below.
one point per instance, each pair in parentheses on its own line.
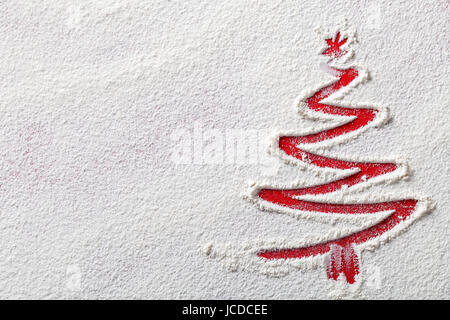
(334,49)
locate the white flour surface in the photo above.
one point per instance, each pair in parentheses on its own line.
(116,117)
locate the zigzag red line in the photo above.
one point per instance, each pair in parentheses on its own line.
(341,249)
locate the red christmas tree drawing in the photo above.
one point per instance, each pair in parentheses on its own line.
(388,215)
(341,254)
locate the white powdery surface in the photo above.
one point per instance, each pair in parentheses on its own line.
(92,203)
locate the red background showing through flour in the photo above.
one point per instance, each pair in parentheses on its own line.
(343,258)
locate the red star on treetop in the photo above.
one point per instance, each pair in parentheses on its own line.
(334,49)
